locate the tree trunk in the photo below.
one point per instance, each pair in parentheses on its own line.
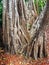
(16,37)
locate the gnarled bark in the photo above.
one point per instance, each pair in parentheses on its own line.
(15,32)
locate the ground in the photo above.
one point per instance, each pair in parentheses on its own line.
(8,59)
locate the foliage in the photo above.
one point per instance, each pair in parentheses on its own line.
(39,5)
(1,12)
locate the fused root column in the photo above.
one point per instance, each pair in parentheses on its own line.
(16,37)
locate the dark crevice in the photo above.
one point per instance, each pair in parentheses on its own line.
(1,39)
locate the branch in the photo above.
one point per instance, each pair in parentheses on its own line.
(37,24)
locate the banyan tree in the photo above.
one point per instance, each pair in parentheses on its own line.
(18,37)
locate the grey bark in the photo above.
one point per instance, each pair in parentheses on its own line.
(15,32)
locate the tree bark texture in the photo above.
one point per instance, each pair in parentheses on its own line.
(16,37)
